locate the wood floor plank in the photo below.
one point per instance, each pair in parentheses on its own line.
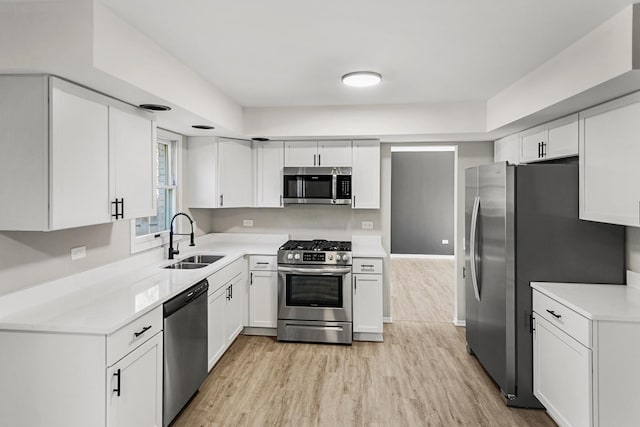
(421,375)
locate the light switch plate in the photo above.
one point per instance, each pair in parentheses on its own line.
(247,223)
(367,225)
(445,242)
(78,253)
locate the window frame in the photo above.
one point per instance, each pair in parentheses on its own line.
(154,240)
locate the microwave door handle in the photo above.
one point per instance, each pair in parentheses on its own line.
(334,187)
(300,185)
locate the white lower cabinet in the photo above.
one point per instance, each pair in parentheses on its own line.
(225,314)
(367,299)
(80,380)
(134,387)
(562,375)
(263,299)
(263,291)
(217,342)
(584,370)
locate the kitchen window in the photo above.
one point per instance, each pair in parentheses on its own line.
(153,231)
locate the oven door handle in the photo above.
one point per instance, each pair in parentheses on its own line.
(316,271)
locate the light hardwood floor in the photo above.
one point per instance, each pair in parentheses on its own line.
(420,376)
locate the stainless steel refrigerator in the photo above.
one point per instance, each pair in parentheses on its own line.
(521,225)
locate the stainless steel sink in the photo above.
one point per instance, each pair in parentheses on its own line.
(204,259)
(186,265)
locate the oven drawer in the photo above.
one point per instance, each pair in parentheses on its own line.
(314,331)
(367,266)
(263,262)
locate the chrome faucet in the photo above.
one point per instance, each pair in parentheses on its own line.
(172,251)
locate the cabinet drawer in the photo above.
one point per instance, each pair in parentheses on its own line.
(367,265)
(263,262)
(567,320)
(124,340)
(226,274)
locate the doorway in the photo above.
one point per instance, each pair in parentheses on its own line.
(423,233)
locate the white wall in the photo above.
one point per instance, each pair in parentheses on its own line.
(604,54)
(366,120)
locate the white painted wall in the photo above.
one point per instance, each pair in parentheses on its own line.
(122,51)
(604,54)
(366,120)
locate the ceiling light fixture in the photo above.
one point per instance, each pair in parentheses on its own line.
(204,127)
(155,107)
(362,78)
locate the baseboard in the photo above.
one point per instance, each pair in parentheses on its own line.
(633,279)
(264,332)
(387,320)
(461,323)
(420,256)
(365,336)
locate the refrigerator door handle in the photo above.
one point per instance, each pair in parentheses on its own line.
(472,243)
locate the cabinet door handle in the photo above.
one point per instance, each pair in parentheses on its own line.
(281,200)
(319,160)
(222,200)
(117,389)
(354,200)
(538,150)
(544,152)
(314,160)
(145,329)
(251,278)
(231,292)
(262,263)
(355,285)
(553,313)
(228,293)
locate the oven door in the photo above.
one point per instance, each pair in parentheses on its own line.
(314,293)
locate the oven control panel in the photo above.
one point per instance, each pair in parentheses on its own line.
(315,257)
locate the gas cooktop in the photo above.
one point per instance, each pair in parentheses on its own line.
(315,252)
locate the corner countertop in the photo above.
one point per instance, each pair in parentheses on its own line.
(596,301)
(367,246)
(103,300)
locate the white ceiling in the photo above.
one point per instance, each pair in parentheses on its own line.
(293,52)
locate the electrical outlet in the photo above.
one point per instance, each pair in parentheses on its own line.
(78,253)
(445,242)
(367,225)
(247,223)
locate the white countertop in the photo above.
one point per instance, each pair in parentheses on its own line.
(104,300)
(596,301)
(366,246)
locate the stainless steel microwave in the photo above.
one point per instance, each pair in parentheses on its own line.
(319,185)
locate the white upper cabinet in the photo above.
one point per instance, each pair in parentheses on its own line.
(317,153)
(79,163)
(609,153)
(68,153)
(268,183)
(133,138)
(334,153)
(235,173)
(550,141)
(220,173)
(366,175)
(301,153)
(507,149)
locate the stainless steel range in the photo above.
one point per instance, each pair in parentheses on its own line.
(314,291)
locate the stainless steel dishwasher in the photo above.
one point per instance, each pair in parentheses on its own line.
(185,348)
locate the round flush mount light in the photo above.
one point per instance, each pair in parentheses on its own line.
(204,127)
(362,78)
(155,107)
